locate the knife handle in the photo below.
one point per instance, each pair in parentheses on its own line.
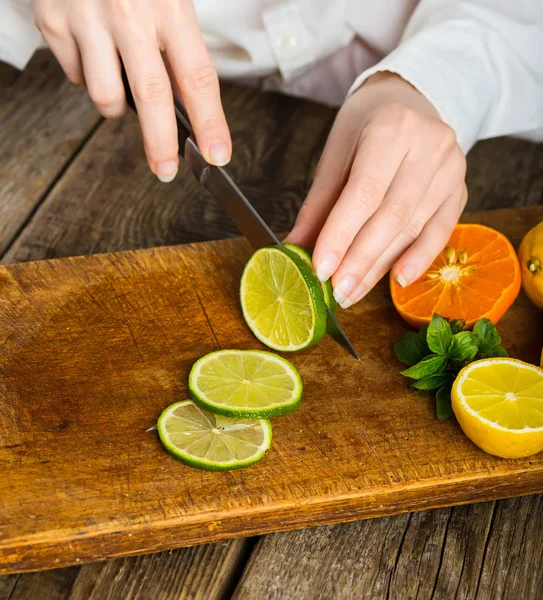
(184,128)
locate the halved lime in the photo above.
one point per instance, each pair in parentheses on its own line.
(212,442)
(245,383)
(326,286)
(282,300)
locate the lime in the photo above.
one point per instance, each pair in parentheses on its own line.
(245,383)
(212,442)
(282,300)
(326,286)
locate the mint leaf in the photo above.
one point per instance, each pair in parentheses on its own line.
(464,346)
(431,383)
(457,325)
(497,351)
(423,333)
(426,367)
(439,335)
(443,402)
(437,353)
(411,348)
(487,335)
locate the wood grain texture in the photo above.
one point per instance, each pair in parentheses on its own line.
(44,120)
(513,565)
(199,573)
(7,585)
(46,585)
(95,347)
(484,551)
(108,200)
(504,172)
(350,561)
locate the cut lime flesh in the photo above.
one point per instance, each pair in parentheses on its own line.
(282,300)
(212,442)
(326,286)
(245,383)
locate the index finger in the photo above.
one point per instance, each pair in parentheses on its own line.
(198,82)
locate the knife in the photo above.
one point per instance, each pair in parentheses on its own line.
(238,208)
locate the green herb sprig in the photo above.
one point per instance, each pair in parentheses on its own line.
(439,351)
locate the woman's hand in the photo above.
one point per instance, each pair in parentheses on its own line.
(87,37)
(388,190)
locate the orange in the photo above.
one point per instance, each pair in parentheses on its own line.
(476,275)
(530,254)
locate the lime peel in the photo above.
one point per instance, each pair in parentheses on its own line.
(282,300)
(212,442)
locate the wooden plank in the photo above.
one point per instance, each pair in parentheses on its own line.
(47,585)
(513,562)
(7,585)
(463,549)
(45,120)
(504,172)
(199,573)
(483,551)
(97,346)
(354,560)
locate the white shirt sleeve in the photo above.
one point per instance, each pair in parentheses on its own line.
(19,38)
(480,62)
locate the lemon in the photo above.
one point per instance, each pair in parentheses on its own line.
(245,383)
(531,264)
(282,300)
(212,442)
(499,405)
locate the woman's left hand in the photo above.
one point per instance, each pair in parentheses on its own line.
(388,190)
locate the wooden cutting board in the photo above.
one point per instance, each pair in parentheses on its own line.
(93,348)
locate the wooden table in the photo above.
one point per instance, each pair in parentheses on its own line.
(72,183)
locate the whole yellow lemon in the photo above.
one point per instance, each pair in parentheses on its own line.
(531,264)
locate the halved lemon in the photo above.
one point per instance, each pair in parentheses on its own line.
(498,402)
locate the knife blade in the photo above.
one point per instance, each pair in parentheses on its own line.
(245,217)
(238,208)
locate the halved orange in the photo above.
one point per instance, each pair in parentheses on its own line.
(476,275)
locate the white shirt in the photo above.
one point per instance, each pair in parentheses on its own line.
(480,62)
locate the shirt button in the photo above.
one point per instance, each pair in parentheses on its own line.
(286,41)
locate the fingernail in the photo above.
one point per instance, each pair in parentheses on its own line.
(407,275)
(166,171)
(359,293)
(327,265)
(219,153)
(344,289)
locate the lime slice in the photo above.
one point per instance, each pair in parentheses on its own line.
(282,300)
(326,286)
(212,442)
(245,383)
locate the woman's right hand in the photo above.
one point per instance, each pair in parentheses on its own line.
(88,36)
